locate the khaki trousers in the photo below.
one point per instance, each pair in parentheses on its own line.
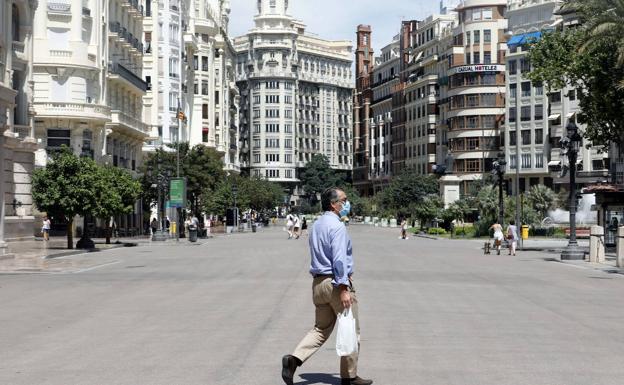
(326,299)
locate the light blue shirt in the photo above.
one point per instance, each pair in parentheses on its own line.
(330,249)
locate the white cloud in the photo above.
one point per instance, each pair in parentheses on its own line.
(338,19)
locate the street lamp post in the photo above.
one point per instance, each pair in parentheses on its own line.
(570,146)
(499,170)
(161,183)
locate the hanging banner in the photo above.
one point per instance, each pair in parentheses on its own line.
(177,192)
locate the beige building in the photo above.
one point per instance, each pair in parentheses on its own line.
(17,143)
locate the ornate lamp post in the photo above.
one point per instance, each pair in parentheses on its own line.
(570,146)
(499,171)
(162,181)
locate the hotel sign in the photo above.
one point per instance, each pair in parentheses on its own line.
(478,68)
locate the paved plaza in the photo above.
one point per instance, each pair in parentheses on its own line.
(223,312)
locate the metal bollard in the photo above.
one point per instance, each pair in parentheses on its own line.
(620,246)
(596,245)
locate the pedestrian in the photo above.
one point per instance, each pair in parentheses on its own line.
(512,236)
(403,228)
(304,225)
(45,228)
(498,236)
(296,226)
(290,223)
(154,225)
(332,287)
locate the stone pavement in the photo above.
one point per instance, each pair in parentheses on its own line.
(223,312)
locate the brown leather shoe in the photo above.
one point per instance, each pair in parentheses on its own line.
(356,381)
(289,365)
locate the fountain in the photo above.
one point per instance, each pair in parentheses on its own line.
(584,216)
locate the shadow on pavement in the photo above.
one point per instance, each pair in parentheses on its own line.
(318,378)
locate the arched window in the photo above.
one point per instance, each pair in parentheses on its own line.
(15,23)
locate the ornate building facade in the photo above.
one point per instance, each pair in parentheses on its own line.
(296,97)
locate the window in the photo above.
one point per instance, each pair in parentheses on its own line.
(487,36)
(513,92)
(513,161)
(512,138)
(473,165)
(488,121)
(572,95)
(204,87)
(272,173)
(288,99)
(173,102)
(487,14)
(58,137)
(272,85)
(539,160)
(468,37)
(468,59)
(554,97)
(539,112)
(288,85)
(204,111)
(476,14)
(256,129)
(539,89)
(512,67)
(288,128)
(256,113)
(525,113)
(257,143)
(526,161)
(539,137)
(272,143)
(195,61)
(273,127)
(288,143)
(525,65)
(526,89)
(217,99)
(196,89)
(256,99)
(288,113)
(487,57)
(288,158)
(477,37)
(271,99)
(476,56)
(256,158)
(272,113)
(526,136)
(204,63)
(289,174)
(512,114)
(272,157)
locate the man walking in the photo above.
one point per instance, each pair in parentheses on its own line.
(332,287)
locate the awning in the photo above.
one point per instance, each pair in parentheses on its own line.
(570,115)
(517,40)
(205,129)
(554,116)
(554,163)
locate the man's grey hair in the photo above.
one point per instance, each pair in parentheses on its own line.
(328,197)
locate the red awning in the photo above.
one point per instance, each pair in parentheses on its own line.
(205,129)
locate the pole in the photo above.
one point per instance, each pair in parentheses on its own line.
(501,214)
(518,137)
(178,209)
(572,242)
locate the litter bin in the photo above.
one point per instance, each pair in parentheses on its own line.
(525,232)
(192,233)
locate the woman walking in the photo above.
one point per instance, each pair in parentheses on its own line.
(498,236)
(512,236)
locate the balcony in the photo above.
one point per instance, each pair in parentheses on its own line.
(233,147)
(127,125)
(116,69)
(82,111)
(59,7)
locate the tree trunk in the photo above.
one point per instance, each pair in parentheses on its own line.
(70,233)
(107,231)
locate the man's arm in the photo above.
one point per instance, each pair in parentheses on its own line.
(339,265)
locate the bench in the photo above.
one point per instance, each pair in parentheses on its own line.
(580,233)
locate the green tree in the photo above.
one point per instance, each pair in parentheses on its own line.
(116,192)
(428,209)
(457,211)
(253,193)
(542,199)
(407,189)
(589,64)
(65,188)
(317,176)
(202,166)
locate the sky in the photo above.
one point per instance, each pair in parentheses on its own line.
(338,19)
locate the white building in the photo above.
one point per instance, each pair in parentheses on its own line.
(214,112)
(88,82)
(296,96)
(166,68)
(542,117)
(17,144)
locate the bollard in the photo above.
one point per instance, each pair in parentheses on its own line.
(596,245)
(620,246)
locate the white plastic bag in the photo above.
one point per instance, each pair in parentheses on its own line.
(346,335)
